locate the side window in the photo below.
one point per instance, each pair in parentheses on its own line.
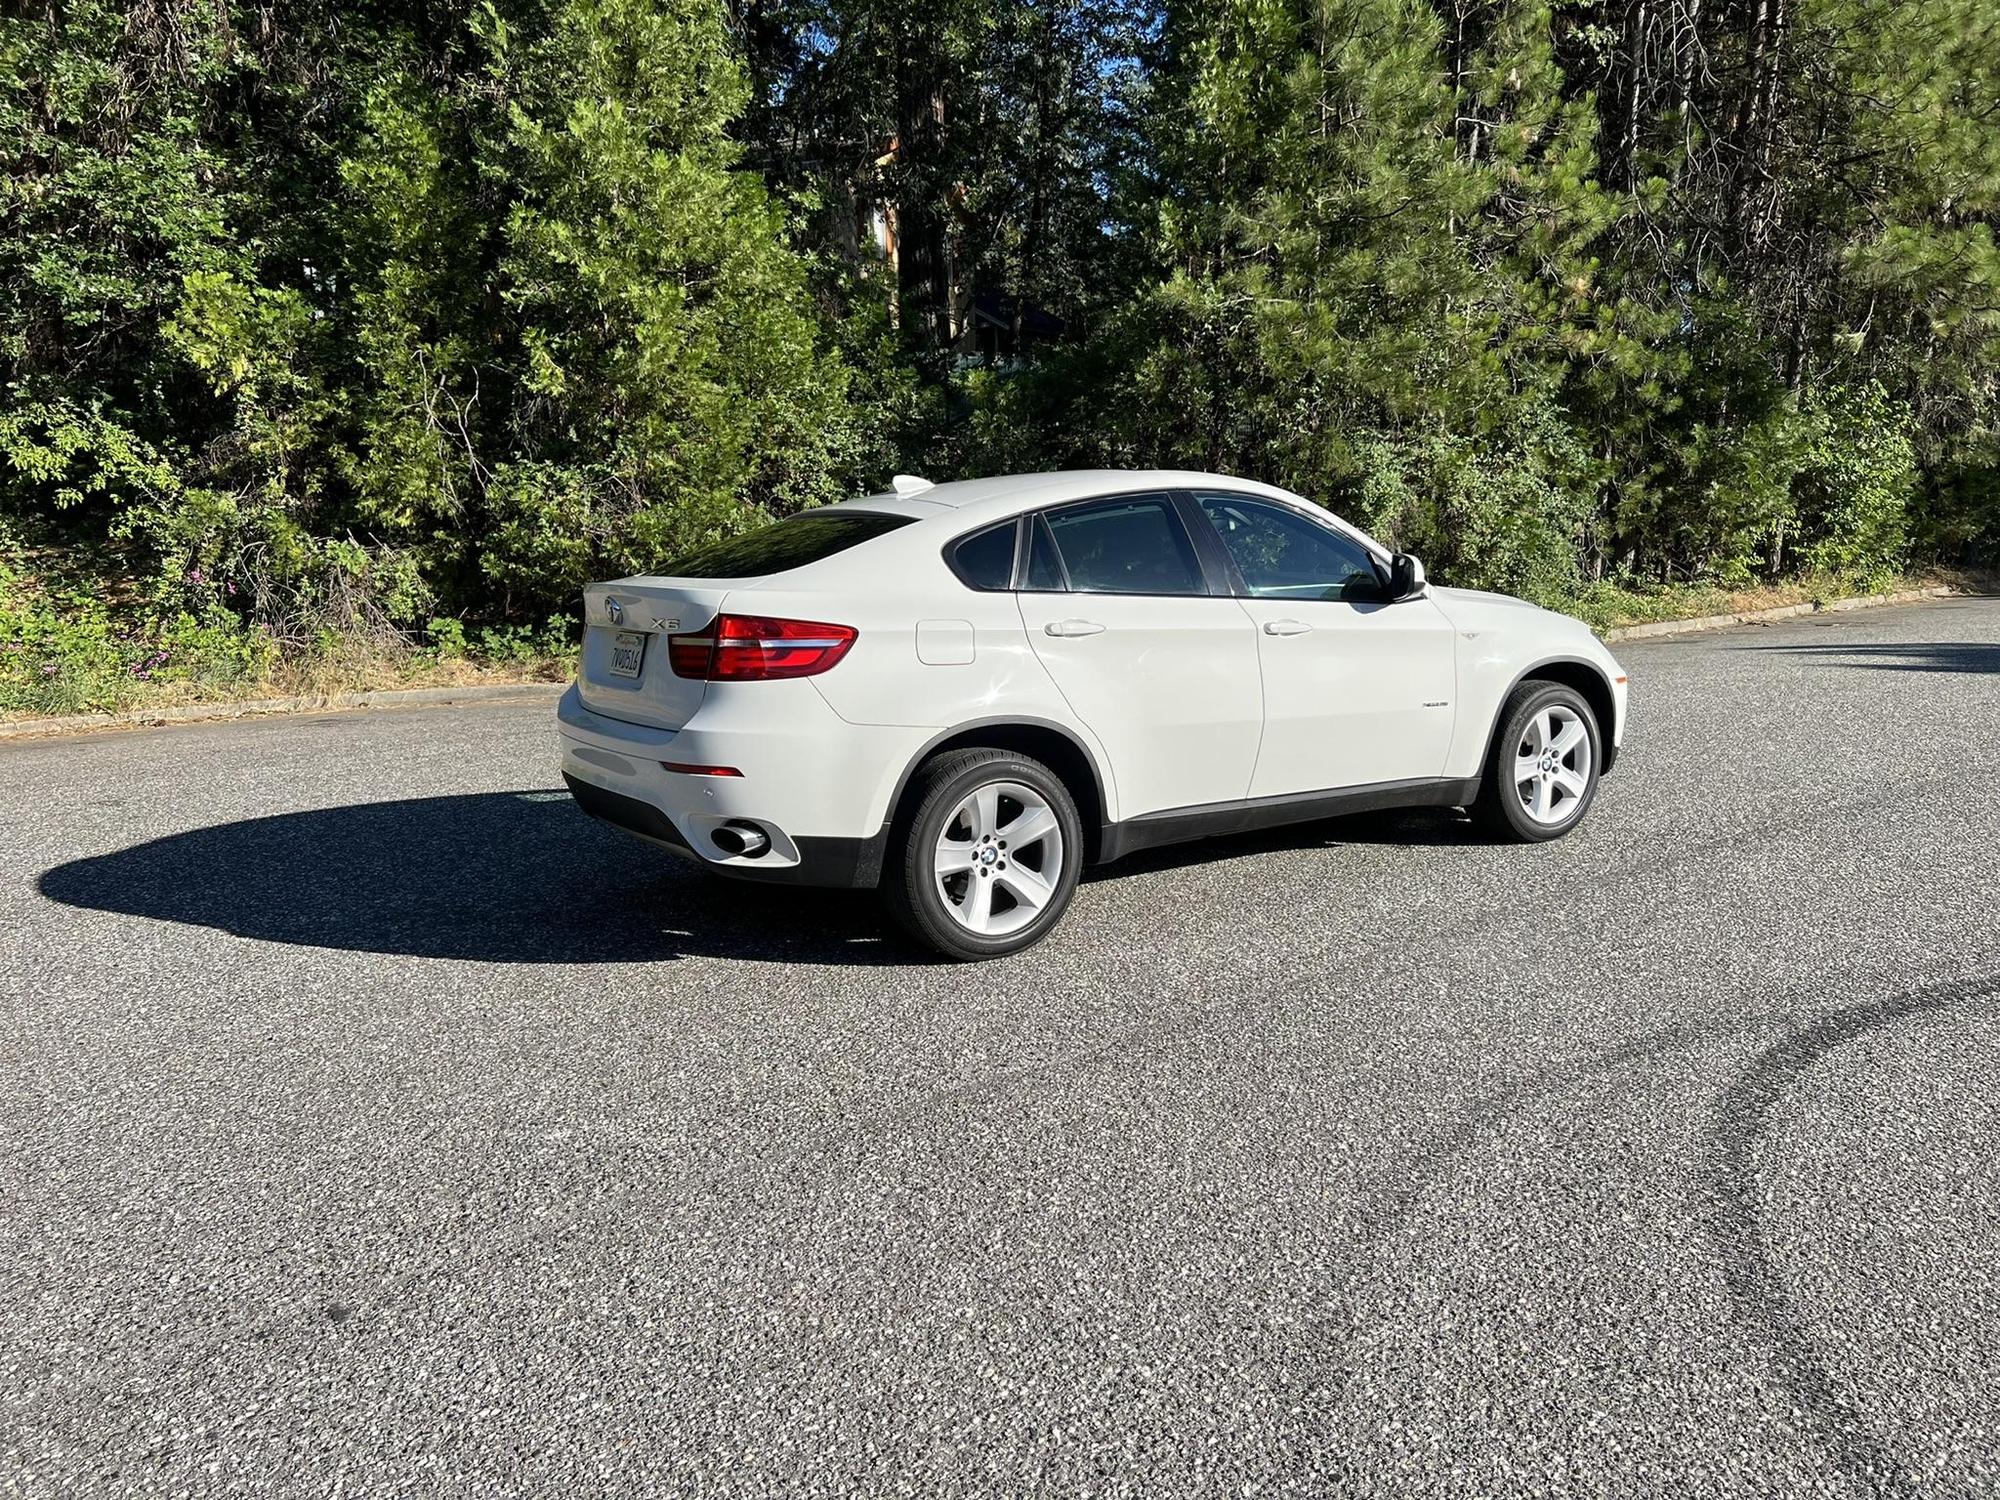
(1130,546)
(1284,555)
(1045,574)
(985,560)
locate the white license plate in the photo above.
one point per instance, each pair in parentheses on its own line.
(628,651)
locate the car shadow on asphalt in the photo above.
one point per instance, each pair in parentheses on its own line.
(524,877)
(1901,656)
(496,877)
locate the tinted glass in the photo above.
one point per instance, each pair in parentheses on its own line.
(1044,571)
(807,538)
(1284,555)
(1126,547)
(985,560)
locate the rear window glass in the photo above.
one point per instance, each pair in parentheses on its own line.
(806,538)
(985,560)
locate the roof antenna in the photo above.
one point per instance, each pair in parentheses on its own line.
(910,484)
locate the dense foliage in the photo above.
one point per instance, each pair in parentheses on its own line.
(324,323)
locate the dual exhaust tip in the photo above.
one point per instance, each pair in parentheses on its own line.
(743,839)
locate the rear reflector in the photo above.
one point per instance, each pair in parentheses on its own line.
(756,648)
(692,770)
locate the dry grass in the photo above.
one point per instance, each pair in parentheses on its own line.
(321,677)
(325,678)
(1607,607)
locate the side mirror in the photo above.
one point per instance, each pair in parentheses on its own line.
(1406,577)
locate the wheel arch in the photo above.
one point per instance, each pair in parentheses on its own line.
(1573,672)
(1054,745)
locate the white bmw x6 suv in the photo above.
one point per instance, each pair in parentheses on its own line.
(963,693)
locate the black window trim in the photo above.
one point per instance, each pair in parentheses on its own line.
(1037,525)
(1191,501)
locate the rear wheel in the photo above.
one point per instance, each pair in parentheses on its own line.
(1541,775)
(989,855)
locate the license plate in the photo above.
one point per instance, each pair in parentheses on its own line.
(628,650)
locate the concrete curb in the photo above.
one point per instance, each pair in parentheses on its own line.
(1761,616)
(195,713)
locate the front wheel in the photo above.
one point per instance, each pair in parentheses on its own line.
(989,855)
(1541,775)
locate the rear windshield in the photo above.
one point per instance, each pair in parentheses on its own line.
(805,538)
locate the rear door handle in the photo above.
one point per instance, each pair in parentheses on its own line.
(1286,627)
(1072,627)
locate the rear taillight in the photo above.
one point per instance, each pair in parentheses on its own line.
(754,648)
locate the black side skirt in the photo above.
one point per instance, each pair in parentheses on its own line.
(1179,824)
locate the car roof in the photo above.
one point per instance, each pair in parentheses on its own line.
(967,504)
(964,506)
(1005,494)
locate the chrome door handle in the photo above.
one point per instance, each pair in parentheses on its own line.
(1072,627)
(1286,627)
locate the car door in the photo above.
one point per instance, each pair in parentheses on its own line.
(1357,691)
(1148,648)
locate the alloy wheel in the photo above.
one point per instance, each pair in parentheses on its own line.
(1552,765)
(999,860)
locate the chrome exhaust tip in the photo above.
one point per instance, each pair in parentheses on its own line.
(744,840)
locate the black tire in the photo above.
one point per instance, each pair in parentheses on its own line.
(1500,810)
(910,884)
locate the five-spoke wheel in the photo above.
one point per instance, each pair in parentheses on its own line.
(999,857)
(989,854)
(1542,772)
(1552,764)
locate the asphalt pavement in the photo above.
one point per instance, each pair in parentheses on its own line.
(372,1123)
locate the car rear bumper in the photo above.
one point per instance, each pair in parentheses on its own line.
(816,786)
(822,861)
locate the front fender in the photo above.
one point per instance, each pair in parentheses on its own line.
(1499,646)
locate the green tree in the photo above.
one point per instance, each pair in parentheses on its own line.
(316,320)
(588,341)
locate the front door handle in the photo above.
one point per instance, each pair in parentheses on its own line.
(1286,627)
(1072,627)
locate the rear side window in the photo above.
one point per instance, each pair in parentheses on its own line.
(985,560)
(810,537)
(1129,546)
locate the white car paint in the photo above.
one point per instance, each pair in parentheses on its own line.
(1352,695)
(1169,686)
(1177,701)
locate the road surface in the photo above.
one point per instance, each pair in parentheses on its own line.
(371,1123)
